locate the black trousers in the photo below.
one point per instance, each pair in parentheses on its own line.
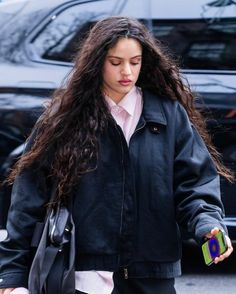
(141,285)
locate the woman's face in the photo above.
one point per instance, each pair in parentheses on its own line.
(121,68)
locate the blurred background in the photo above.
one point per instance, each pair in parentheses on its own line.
(38,40)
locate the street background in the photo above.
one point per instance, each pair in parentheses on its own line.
(198,278)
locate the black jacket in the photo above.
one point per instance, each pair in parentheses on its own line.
(128,211)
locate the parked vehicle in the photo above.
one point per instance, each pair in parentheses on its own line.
(38,40)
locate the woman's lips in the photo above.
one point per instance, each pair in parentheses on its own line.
(125,82)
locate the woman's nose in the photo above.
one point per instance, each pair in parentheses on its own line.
(126,69)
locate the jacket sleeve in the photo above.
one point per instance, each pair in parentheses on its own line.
(196,181)
(27,207)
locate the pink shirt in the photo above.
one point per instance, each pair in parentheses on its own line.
(126,114)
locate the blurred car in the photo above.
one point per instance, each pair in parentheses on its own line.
(38,40)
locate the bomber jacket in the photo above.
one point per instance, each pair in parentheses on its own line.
(127,211)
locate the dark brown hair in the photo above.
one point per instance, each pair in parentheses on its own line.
(69,127)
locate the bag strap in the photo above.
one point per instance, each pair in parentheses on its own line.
(39,226)
(55,277)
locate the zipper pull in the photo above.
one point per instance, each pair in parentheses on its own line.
(126,273)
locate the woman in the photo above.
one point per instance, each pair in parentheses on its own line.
(123,139)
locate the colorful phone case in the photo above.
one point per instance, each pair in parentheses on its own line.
(214,247)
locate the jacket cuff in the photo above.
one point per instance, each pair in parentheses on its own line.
(13,280)
(202,230)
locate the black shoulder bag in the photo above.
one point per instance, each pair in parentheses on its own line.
(52,269)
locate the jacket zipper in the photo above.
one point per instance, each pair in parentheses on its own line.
(126,274)
(123,169)
(141,127)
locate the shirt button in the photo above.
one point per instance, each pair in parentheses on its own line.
(1,280)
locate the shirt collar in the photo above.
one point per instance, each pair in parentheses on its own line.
(128,102)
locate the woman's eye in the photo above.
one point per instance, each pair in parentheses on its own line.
(118,63)
(115,64)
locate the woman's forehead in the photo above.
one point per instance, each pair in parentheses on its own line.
(125,46)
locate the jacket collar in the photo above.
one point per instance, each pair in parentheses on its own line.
(153,108)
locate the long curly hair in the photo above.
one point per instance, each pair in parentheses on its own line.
(77,113)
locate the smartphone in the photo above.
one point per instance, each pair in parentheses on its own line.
(214,247)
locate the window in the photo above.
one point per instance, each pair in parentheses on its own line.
(162,31)
(61,37)
(198,44)
(229,28)
(190,40)
(206,50)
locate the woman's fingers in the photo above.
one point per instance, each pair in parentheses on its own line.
(227,253)
(214,231)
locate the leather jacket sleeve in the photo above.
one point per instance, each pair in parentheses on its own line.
(196,181)
(27,207)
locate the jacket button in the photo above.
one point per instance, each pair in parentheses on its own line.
(1,280)
(155,129)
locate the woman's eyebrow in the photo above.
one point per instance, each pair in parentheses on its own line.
(137,56)
(113,56)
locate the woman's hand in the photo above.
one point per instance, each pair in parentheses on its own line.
(229,250)
(6,290)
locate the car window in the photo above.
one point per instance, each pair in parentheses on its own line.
(198,42)
(61,37)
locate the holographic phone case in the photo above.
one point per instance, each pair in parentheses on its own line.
(214,247)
